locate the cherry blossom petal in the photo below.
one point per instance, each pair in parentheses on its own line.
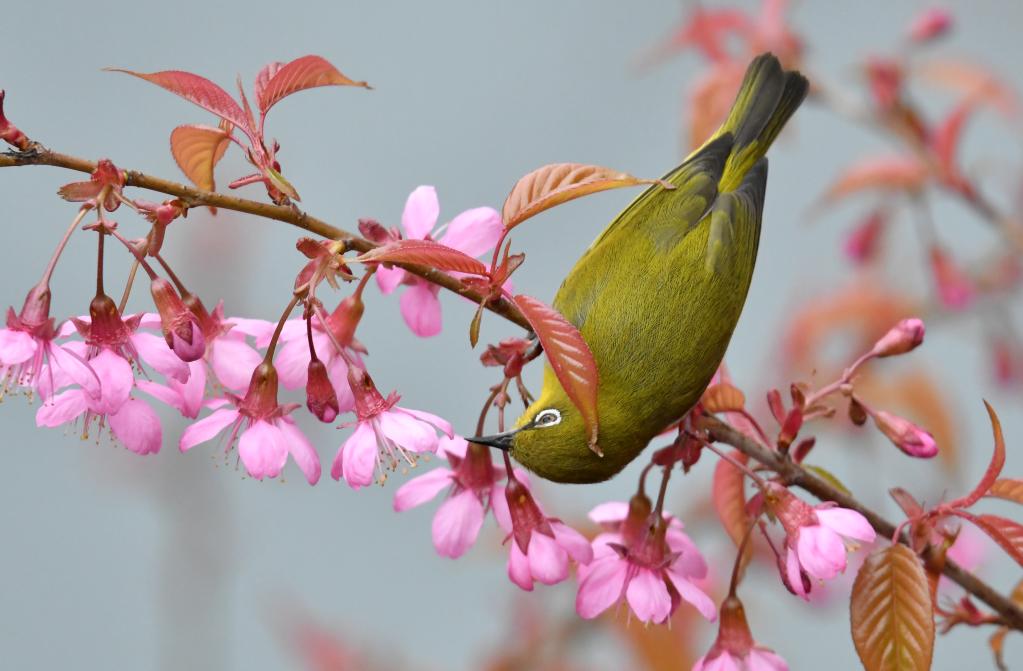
(70,360)
(337,372)
(794,574)
(474,231)
(421,211)
(694,595)
(153,351)
(300,449)
(574,543)
(499,504)
(548,561)
(846,522)
(357,458)
(765,660)
(206,428)
(233,362)
(457,524)
(62,408)
(420,308)
(439,423)
(723,662)
(16,347)
(421,489)
(260,329)
(518,568)
(117,380)
(690,561)
(388,279)
(263,449)
(821,552)
(137,427)
(648,596)
(407,431)
(452,447)
(602,587)
(193,391)
(292,364)
(164,394)
(610,512)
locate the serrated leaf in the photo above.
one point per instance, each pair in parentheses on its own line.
(1005,532)
(729,496)
(569,357)
(196,150)
(891,612)
(889,173)
(197,90)
(300,74)
(426,253)
(557,183)
(1009,489)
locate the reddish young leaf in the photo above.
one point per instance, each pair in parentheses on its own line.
(426,253)
(557,183)
(302,73)
(197,90)
(890,173)
(1005,532)
(723,397)
(890,608)
(971,80)
(569,357)
(907,502)
(994,468)
(197,149)
(1009,489)
(729,496)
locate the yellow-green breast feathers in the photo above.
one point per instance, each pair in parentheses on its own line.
(659,293)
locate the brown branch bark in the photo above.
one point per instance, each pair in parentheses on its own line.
(39,155)
(793,473)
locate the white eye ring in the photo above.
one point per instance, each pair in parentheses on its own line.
(548,417)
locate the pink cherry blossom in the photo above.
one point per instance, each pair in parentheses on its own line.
(816,538)
(385,435)
(734,649)
(540,546)
(473,482)
(264,432)
(228,353)
(651,564)
(473,232)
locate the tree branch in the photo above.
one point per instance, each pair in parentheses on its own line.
(39,155)
(793,473)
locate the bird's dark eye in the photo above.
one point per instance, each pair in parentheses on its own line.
(546,418)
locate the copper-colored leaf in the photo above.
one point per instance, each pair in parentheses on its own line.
(79,192)
(302,73)
(569,357)
(888,173)
(426,253)
(557,183)
(1005,532)
(723,397)
(907,502)
(729,496)
(197,149)
(994,468)
(890,608)
(997,643)
(1010,489)
(195,89)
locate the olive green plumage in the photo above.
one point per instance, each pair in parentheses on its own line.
(659,293)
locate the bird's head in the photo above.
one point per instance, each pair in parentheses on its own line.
(551,440)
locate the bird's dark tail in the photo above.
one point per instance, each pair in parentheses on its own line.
(767,98)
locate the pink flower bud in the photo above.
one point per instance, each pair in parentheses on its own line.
(884,77)
(321,399)
(180,327)
(954,287)
(906,435)
(930,24)
(903,337)
(9,133)
(862,243)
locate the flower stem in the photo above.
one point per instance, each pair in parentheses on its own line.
(269,358)
(48,273)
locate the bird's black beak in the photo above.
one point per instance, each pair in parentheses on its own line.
(502,441)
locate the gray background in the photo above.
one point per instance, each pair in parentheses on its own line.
(109,560)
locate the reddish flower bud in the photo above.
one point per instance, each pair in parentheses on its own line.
(345,319)
(321,399)
(930,24)
(9,133)
(955,289)
(790,428)
(906,435)
(862,243)
(903,337)
(776,406)
(180,327)
(525,514)
(885,79)
(261,397)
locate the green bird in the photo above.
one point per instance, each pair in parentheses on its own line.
(658,294)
